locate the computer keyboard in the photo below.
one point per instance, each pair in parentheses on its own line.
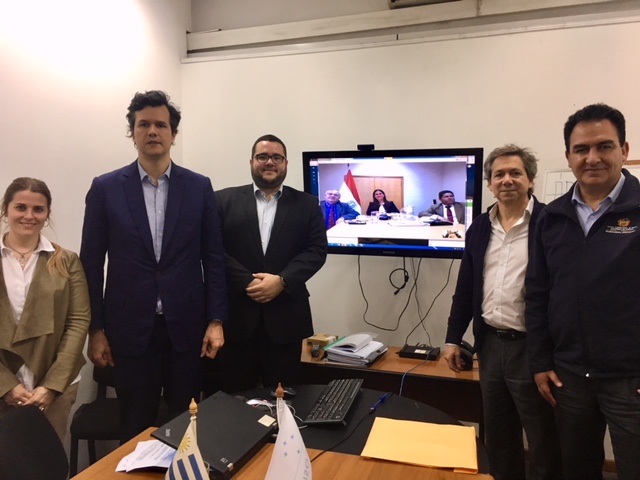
(334,402)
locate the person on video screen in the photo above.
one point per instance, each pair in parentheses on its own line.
(448,210)
(334,211)
(380,200)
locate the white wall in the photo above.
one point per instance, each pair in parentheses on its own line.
(483,91)
(69,70)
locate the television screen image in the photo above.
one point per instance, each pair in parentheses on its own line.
(394,202)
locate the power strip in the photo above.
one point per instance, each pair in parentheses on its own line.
(420,351)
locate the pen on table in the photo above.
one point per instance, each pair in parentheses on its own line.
(380,400)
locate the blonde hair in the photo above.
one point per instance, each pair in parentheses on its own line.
(56,264)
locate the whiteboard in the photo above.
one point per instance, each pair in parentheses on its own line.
(558,182)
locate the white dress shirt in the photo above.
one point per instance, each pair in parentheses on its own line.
(267,208)
(505,267)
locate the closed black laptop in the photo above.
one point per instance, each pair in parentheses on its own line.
(230,432)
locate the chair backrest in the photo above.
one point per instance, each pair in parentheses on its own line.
(30,447)
(104,377)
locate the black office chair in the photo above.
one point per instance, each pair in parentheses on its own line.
(98,420)
(30,447)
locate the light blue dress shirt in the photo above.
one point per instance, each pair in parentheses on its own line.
(586,215)
(155,201)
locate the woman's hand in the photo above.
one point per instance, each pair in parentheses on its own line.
(18,396)
(41,397)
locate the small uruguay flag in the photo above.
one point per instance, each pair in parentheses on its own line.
(187,463)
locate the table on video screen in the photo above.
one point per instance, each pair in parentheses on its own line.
(432,382)
(395,232)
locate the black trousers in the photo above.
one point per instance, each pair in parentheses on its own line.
(158,372)
(585,408)
(243,365)
(511,402)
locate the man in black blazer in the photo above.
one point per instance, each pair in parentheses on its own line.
(275,240)
(165,295)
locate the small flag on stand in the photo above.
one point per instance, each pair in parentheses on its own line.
(188,463)
(290,460)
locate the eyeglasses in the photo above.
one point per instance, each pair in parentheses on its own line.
(264,158)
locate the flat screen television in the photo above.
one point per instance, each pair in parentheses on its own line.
(412,180)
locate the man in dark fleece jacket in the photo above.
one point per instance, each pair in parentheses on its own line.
(582,308)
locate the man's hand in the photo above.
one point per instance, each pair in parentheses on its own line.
(453,358)
(543,379)
(41,397)
(17,396)
(213,340)
(266,289)
(99,349)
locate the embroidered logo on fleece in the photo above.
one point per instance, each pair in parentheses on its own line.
(624,226)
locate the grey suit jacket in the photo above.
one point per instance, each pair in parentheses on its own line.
(439,210)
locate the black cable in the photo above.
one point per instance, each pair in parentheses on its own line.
(343,440)
(416,275)
(421,322)
(405,275)
(366,302)
(406,305)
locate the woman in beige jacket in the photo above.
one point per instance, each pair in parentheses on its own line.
(44,309)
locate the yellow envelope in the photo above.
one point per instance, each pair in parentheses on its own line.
(421,443)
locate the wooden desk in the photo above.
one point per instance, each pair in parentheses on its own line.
(337,466)
(433,383)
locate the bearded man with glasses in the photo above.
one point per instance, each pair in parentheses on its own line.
(274,239)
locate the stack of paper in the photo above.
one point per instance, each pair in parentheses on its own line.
(357,349)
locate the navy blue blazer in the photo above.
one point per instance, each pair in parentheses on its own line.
(189,278)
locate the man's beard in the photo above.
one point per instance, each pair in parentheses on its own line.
(268,184)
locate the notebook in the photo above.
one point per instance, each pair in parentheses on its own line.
(230,433)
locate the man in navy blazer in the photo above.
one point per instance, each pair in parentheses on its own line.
(275,240)
(164,300)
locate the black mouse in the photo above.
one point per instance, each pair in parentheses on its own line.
(288,392)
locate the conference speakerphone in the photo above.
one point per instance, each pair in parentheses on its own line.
(420,351)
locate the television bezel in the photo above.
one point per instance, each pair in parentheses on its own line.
(407,251)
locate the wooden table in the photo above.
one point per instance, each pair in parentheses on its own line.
(337,466)
(433,382)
